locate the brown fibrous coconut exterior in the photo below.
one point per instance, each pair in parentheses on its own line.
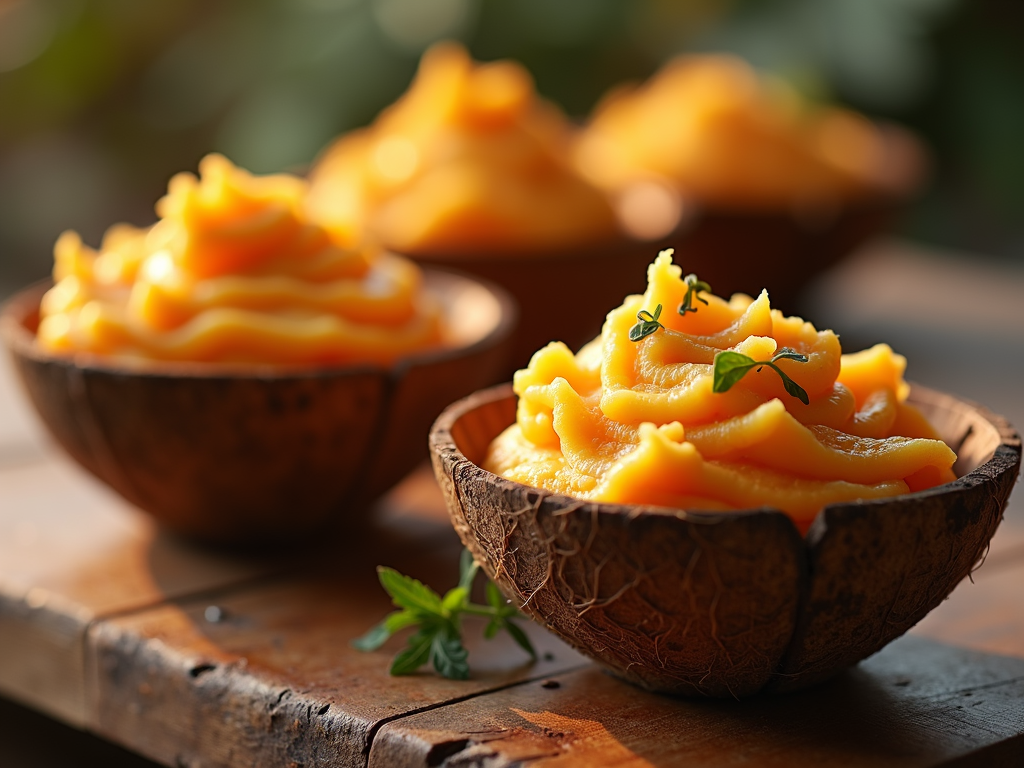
(255,454)
(726,604)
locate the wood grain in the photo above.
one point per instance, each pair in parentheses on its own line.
(21,434)
(72,552)
(276,682)
(917,704)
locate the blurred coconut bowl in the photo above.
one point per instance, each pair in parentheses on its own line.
(780,242)
(243,455)
(563,295)
(726,604)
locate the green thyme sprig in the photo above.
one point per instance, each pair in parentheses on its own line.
(730,367)
(438,638)
(693,288)
(646,324)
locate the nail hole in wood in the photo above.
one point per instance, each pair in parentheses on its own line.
(200,669)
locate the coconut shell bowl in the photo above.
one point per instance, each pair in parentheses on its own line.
(250,455)
(726,604)
(564,295)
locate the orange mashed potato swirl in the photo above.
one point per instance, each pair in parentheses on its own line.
(469,161)
(638,423)
(234,272)
(712,128)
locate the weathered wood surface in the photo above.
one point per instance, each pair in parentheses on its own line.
(274,681)
(102,624)
(72,552)
(915,704)
(21,435)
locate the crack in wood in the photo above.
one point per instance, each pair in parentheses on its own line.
(372,731)
(201,669)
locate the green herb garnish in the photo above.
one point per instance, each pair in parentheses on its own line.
(730,367)
(646,324)
(693,287)
(438,619)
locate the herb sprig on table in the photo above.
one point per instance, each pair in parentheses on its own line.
(438,620)
(730,367)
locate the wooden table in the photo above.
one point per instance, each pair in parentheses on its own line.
(193,657)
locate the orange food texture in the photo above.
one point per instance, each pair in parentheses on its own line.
(234,271)
(638,422)
(712,128)
(468,161)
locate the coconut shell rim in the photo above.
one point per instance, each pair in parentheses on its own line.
(812,651)
(612,247)
(1006,457)
(873,198)
(20,340)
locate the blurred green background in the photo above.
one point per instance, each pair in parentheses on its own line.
(101,101)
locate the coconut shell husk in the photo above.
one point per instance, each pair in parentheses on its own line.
(252,454)
(726,605)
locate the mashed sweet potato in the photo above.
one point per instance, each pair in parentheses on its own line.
(235,272)
(639,422)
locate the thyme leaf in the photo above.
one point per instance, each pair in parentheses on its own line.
(730,367)
(693,289)
(646,324)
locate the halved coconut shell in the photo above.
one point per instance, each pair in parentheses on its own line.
(726,604)
(565,295)
(252,453)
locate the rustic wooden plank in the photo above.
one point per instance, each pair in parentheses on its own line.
(21,435)
(917,704)
(176,687)
(70,553)
(275,682)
